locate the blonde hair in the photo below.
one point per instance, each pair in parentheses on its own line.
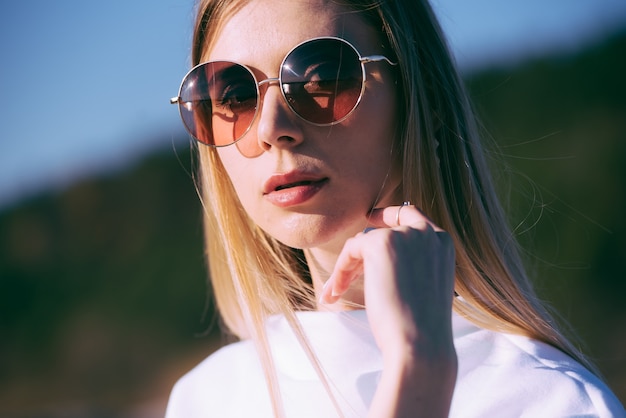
(444,173)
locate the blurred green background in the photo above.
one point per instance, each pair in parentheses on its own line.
(103,301)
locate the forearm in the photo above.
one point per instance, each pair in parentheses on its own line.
(416,387)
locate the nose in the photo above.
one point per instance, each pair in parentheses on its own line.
(278,126)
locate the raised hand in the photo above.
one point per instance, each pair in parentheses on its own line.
(407,264)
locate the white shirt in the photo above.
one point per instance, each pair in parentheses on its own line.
(499,375)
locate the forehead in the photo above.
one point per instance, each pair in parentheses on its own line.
(265,30)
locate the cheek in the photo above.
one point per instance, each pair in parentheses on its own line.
(239,171)
(378,130)
(376,123)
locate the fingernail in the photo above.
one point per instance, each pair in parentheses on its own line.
(323,292)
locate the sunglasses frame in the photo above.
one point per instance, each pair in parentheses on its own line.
(362,61)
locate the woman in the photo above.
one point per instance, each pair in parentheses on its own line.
(355,243)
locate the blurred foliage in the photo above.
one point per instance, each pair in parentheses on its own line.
(102,285)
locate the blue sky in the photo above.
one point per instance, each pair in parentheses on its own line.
(85,85)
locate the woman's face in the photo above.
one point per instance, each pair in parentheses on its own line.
(309,186)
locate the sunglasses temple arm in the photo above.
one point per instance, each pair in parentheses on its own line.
(175,100)
(376,58)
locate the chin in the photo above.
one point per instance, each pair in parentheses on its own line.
(316,232)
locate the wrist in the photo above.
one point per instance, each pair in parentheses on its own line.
(417,383)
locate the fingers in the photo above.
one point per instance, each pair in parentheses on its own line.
(405,215)
(350,262)
(349,268)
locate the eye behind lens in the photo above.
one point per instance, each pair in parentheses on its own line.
(219,101)
(322,80)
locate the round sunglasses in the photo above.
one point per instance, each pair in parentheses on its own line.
(322,80)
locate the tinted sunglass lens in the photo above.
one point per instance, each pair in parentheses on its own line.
(218,102)
(322,80)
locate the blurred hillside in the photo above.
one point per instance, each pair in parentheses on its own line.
(559,125)
(102,293)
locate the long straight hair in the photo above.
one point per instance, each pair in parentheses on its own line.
(444,172)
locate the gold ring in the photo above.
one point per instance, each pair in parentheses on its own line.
(406,203)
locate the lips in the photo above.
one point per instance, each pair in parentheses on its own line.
(296,184)
(279,182)
(293,188)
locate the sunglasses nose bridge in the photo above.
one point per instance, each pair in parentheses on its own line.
(269,81)
(264,84)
